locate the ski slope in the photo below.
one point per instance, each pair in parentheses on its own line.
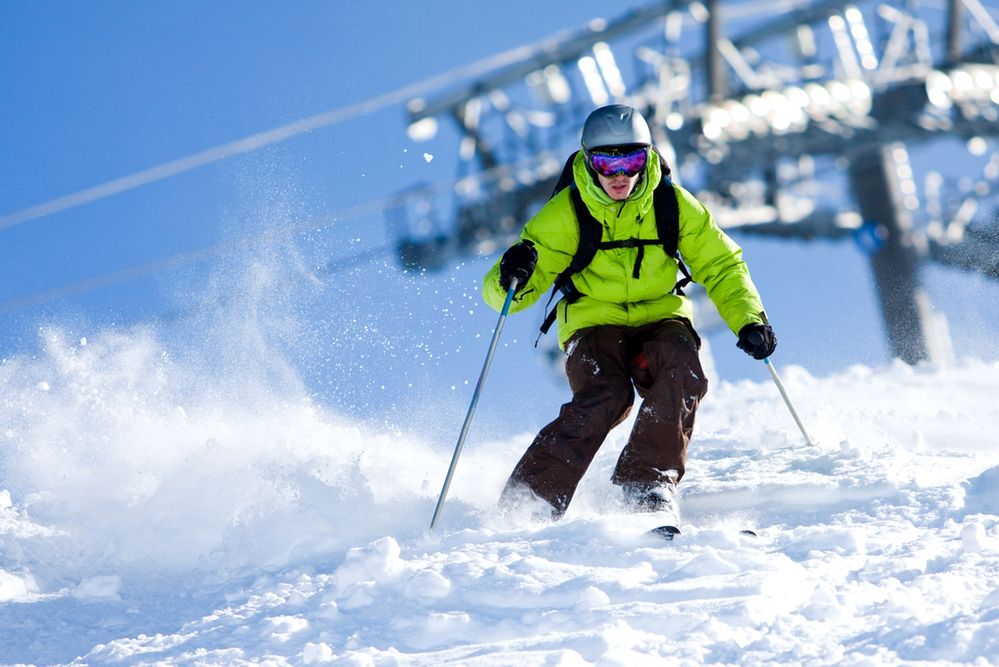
(154,512)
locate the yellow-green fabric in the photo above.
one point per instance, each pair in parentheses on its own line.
(612,295)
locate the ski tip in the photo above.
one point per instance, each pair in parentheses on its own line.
(749,533)
(665,532)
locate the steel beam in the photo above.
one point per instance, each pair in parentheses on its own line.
(546,53)
(876,187)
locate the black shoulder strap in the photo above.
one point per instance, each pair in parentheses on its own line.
(590,233)
(667,208)
(565,179)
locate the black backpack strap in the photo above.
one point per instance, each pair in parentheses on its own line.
(683,282)
(590,233)
(550,316)
(566,178)
(631,243)
(667,209)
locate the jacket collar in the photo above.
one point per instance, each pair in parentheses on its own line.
(600,203)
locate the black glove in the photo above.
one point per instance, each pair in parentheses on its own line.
(518,262)
(757,340)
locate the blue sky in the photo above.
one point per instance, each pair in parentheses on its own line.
(90,92)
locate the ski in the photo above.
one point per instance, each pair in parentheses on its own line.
(669,531)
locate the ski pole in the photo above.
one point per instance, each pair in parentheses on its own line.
(780,388)
(475,401)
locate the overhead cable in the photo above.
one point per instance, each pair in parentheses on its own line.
(227,248)
(259,140)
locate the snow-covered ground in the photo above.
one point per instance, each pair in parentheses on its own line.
(152,512)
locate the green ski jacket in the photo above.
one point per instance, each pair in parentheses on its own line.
(611,293)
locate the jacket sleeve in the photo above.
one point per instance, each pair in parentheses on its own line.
(555,235)
(715,261)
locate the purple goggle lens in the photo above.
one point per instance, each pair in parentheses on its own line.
(629,164)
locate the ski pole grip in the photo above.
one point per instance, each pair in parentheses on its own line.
(755,337)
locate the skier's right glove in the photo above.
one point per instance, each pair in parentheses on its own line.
(757,340)
(518,262)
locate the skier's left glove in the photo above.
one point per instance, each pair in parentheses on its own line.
(518,262)
(757,340)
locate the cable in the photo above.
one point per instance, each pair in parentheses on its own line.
(158,266)
(355,260)
(182,259)
(175,261)
(330,268)
(106,280)
(259,140)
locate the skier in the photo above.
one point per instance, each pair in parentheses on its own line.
(624,325)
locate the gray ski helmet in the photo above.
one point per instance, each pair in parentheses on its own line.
(615,125)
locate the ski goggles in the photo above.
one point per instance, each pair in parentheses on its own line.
(610,164)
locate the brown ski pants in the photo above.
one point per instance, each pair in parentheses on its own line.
(605,365)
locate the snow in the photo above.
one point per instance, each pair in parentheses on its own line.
(154,511)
